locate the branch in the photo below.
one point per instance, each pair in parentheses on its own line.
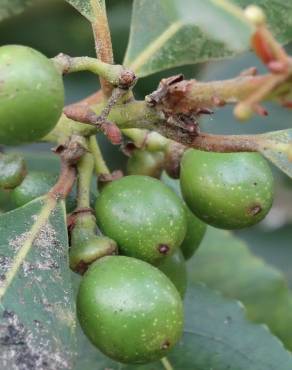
(102,39)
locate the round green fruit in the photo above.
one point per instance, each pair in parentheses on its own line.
(174,267)
(12,170)
(143,216)
(227,190)
(129,309)
(36,184)
(196,230)
(143,162)
(32,95)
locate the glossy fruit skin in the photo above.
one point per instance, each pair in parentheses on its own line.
(36,184)
(227,190)
(12,170)
(129,309)
(174,267)
(196,230)
(32,95)
(143,162)
(143,216)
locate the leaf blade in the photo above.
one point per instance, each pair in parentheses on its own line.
(87,7)
(36,312)
(238,274)
(169,33)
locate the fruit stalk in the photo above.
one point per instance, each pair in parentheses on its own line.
(99,163)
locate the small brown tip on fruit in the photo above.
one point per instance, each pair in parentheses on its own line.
(254,210)
(163,248)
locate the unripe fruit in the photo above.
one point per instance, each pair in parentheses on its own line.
(196,230)
(12,170)
(174,267)
(143,216)
(145,163)
(129,309)
(227,190)
(36,184)
(32,95)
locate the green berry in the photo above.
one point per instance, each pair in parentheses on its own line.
(174,267)
(196,230)
(32,95)
(227,190)
(145,163)
(129,309)
(143,216)
(36,184)
(12,170)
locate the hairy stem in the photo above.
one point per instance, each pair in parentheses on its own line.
(108,72)
(102,39)
(99,163)
(85,169)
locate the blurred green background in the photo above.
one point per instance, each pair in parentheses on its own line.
(53,26)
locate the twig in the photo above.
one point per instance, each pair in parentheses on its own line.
(100,165)
(102,39)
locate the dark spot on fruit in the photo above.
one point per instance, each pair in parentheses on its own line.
(82,267)
(165,344)
(255,183)
(254,210)
(163,248)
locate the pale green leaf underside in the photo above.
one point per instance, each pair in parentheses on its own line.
(226,264)
(170,33)
(8,8)
(277,147)
(37,317)
(87,7)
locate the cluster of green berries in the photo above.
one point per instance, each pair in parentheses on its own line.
(133,251)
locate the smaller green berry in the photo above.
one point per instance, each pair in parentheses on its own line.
(12,170)
(174,267)
(36,184)
(196,230)
(143,162)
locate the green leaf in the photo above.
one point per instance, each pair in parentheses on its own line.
(225,263)
(87,7)
(37,317)
(217,336)
(276,146)
(9,8)
(170,33)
